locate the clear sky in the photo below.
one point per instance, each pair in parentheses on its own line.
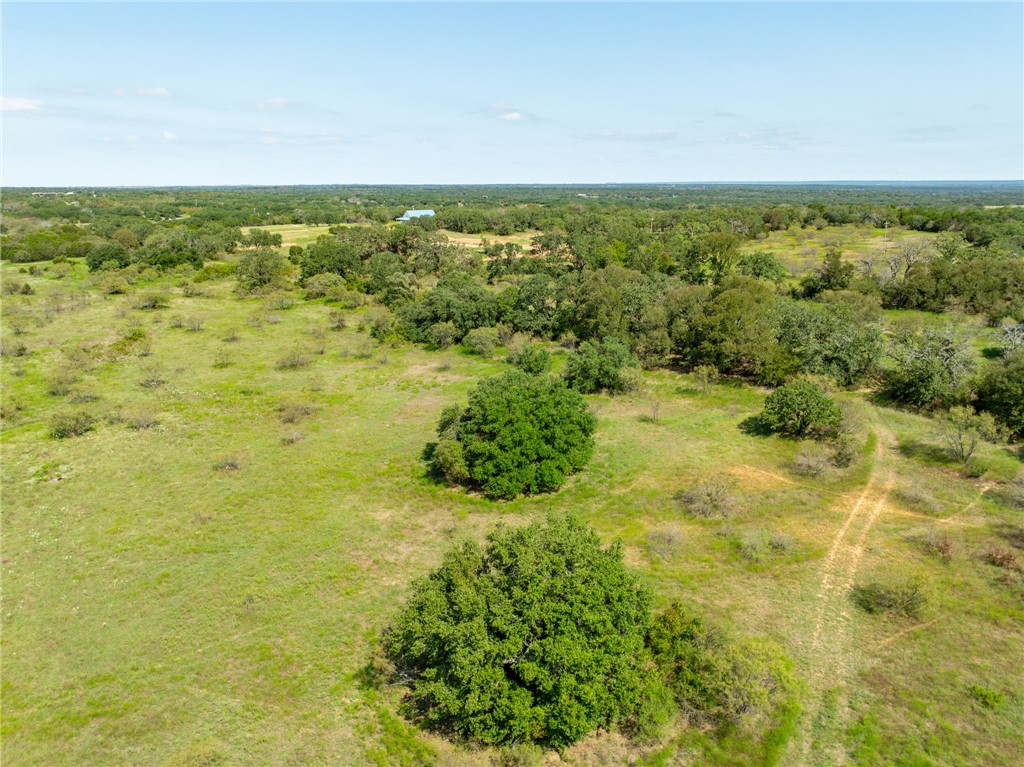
(290,93)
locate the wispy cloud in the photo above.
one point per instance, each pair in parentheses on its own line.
(158,91)
(278,102)
(275,138)
(785,139)
(170,136)
(20,105)
(640,138)
(504,112)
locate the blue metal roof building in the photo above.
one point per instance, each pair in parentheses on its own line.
(411,214)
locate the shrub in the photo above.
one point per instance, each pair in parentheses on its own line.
(930,370)
(530,358)
(141,419)
(1001,556)
(538,637)
(481,341)
(293,359)
(195,323)
(801,409)
(811,460)
(336,320)
(214,270)
(227,463)
(902,599)
(261,271)
(939,544)
(151,300)
(1001,392)
(713,496)
(705,376)
(323,285)
(745,685)
(112,285)
(963,430)
(71,424)
(294,410)
(521,434)
(599,366)
(443,334)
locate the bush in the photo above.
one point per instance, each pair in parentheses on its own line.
(801,409)
(713,496)
(520,434)
(905,599)
(705,376)
(71,424)
(323,285)
(930,370)
(443,334)
(811,460)
(746,685)
(537,638)
(963,430)
(261,271)
(215,270)
(481,341)
(1001,392)
(151,300)
(530,358)
(293,359)
(599,366)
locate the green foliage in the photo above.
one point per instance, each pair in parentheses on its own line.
(215,270)
(530,358)
(598,366)
(930,369)
(762,265)
(829,340)
(71,424)
(744,686)
(801,409)
(963,429)
(520,434)
(457,299)
(261,271)
(538,637)
(481,341)
(902,599)
(152,300)
(1001,392)
(107,255)
(443,334)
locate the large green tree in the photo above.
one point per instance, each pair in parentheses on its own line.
(520,434)
(538,637)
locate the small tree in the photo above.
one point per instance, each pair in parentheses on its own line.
(538,637)
(481,341)
(520,434)
(801,409)
(1001,392)
(930,370)
(261,271)
(599,366)
(963,430)
(531,359)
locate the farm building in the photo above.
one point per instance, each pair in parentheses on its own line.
(411,214)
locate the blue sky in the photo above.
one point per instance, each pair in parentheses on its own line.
(232,93)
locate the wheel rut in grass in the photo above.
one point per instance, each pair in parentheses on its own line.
(831,651)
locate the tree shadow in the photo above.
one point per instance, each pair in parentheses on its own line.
(755,426)
(923,451)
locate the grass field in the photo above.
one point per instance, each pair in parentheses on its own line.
(803,249)
(201,579)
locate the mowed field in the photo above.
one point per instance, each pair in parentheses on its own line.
(203,578)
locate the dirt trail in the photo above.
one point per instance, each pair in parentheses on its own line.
(830,650)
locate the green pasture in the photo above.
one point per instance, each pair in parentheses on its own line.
(202,578)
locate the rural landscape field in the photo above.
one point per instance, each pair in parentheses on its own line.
(216,496)
(491,384)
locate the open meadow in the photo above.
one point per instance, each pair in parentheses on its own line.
(202,577)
